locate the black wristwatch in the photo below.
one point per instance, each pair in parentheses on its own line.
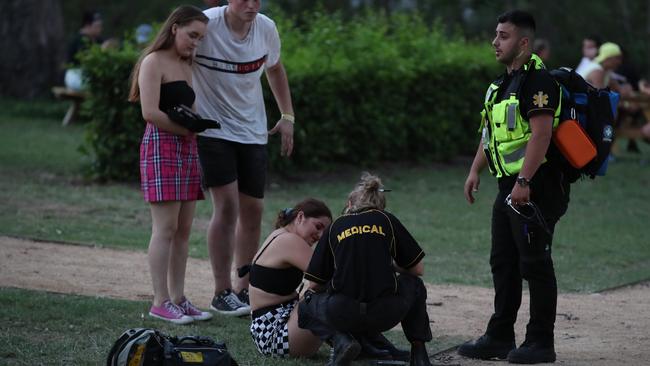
(523,181)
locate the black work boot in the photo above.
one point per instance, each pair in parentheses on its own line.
(370,350)
(486,348)
(532,352)
(344,350)
(419,356)
(381,342)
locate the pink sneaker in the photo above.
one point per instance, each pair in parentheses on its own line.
(170,312)
(192,311)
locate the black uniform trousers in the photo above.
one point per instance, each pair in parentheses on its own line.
(521,248)
(325,314)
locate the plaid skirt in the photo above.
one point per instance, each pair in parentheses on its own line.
(270,330)
(169,167)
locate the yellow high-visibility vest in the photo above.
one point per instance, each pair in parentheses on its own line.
(505,134)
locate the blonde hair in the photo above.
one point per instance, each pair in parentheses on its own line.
(368,194)
(181,16)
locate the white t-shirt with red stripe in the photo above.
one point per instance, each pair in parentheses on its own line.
(226,77)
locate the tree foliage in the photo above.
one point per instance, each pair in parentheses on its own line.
(31,34)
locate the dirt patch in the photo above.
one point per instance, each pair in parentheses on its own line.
(608,328)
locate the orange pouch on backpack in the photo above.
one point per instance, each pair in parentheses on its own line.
(574,143)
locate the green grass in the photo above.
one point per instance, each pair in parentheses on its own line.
(54,329)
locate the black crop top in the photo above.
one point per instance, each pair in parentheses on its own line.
(279,281)
(173,93)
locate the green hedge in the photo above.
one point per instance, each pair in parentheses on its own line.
(380,88)
(372,89)
(112,137)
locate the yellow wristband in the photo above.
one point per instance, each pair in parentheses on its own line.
(288,117)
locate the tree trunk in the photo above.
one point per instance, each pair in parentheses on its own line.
(32,44)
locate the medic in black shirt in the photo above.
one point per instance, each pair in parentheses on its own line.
(366,272)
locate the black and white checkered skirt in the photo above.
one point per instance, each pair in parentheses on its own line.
(270,328)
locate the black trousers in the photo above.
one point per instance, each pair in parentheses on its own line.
(325,314)
(521,249)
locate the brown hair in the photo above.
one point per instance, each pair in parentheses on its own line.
(181,16)
(368,194)
(311,207)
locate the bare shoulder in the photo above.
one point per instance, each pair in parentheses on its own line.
(151,59)
(290,240)
(151,64)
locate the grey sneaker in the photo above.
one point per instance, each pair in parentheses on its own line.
(227,303)
(243,296)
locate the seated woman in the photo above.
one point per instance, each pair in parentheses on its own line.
(356,261)
(276,273)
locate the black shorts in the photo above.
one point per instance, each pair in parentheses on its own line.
(224,162)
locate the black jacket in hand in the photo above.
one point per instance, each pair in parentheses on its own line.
(186,117)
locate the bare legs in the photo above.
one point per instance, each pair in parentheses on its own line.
(302,342)
(234,229)
(248,234)
(168,248)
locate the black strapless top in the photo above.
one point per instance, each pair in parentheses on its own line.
(279,281)
(173,93)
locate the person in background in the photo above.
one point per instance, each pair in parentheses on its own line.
(240,46)
(143,34)
(590,47)
(631,84)
(169,168)
(89,34)
(275,275)
(599,73)
(542,48)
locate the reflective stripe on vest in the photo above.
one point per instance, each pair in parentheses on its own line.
(505,133)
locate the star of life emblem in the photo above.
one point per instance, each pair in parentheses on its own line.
(540,99)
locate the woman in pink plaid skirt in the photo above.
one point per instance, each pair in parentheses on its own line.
(169,167)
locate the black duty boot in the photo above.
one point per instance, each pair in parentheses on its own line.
(532,352)
(369,350)
(379,341)
(419,356)
(344,350)
(486,348)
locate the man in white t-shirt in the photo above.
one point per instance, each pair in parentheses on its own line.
(239,46)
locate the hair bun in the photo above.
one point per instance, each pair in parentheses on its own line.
(370,182)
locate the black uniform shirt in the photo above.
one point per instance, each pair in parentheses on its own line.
(357,251)
(539,94)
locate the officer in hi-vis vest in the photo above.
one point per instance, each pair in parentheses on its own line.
(521,110)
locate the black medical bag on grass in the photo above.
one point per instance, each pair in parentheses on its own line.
(150,347)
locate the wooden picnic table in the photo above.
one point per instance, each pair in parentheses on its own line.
(75,97)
